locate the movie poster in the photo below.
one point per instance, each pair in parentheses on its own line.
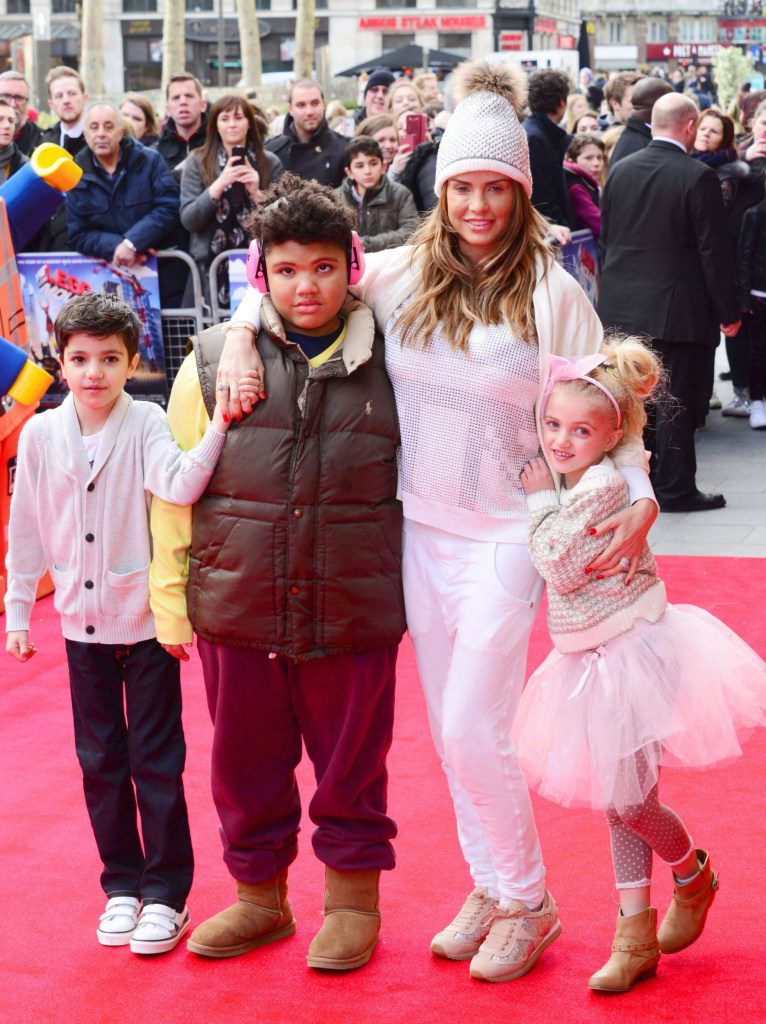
(49,280)
(237,280)
(581,258)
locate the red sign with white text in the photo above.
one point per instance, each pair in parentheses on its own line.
(682,51)
(417,22)
(511,41)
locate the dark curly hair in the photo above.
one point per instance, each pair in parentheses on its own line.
(547,89)
(296,210)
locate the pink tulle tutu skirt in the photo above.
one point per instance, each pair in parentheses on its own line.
(594,728)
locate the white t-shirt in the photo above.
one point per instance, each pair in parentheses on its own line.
(91,444)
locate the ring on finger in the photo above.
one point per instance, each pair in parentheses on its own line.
(223,387)
(625,562)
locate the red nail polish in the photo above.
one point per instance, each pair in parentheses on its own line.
(588,571)
(591,533)
(225,419)
(599,577)
(627,583)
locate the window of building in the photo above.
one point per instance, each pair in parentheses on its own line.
(697,30)
(658,31)
(456,42)
(138,6)
(64,6)
(17,6)
(615,31)
(380,4)
(393,40)
(452,5)
(200,5)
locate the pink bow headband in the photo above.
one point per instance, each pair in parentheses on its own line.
(562,369)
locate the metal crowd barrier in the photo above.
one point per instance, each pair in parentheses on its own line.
(179,324)
(219,313)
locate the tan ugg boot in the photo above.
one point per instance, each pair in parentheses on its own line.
(635,953)
(260,915)
(351,921)
(687,913)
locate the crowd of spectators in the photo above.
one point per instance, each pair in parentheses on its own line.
(191,177)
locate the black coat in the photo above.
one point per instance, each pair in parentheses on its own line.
(669,270)
(322,158)
(29,138)
(547,146)
(173,149)
(71,145)
(751,254)
(637,136)
(419,175)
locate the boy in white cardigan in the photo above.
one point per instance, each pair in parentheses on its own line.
(85,474)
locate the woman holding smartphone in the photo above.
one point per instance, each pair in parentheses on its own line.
(221,183)
(471,313)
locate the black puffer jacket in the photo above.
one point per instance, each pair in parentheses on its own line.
(296,543)
(419,175)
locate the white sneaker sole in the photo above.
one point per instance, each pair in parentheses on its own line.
(519,972)
(114,938)
(151,948)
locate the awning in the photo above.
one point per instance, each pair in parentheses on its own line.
(10,30)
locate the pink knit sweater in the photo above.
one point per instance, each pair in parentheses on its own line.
(584,612)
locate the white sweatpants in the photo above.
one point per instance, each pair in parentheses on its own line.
(470,608)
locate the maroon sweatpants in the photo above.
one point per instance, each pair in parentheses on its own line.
(342,707)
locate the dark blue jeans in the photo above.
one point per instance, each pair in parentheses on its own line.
(126,701)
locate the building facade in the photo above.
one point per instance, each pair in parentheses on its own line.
(631,33)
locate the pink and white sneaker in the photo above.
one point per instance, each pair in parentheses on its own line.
(516,938)
(461,939)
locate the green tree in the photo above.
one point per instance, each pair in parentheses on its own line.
(730,68)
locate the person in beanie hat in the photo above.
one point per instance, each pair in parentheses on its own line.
(375,93)
(472,312)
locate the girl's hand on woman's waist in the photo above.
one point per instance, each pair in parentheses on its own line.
(630,528)
(239,360)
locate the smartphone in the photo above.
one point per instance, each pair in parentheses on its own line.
(415,128)
(239,153)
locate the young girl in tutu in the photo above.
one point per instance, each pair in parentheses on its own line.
(634,683)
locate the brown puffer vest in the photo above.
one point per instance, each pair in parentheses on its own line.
(296,543)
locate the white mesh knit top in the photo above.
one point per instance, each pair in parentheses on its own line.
(468,427)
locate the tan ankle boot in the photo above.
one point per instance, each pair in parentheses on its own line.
(351,921)
(635,954)
(260,915)
(687,913)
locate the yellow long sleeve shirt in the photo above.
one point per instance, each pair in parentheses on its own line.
(172,524)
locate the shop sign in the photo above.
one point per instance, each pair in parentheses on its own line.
(750,30)
(511,41)
(683,51)
(546,26)
(567,43)
(418,23)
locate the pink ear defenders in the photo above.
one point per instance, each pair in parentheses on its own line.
(256,265)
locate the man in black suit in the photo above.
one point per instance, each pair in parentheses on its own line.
(669,275)
(638,127)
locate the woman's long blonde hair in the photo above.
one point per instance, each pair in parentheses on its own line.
(454,293)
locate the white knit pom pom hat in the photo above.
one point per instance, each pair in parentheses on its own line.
(484,133)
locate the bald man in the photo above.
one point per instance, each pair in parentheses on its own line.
(669,275)
(638,127)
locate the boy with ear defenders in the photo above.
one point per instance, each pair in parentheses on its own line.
(289,572)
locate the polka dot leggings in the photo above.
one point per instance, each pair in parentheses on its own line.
(638,831)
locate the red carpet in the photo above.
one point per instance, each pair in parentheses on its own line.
(52,968)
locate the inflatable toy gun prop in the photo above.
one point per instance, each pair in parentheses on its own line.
(36,191)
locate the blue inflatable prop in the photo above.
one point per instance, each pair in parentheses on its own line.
(34,193)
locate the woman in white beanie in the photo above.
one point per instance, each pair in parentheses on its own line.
(471,312)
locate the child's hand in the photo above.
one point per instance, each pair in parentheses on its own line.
(536,476)
(18,646)
(180,651)
(251,388)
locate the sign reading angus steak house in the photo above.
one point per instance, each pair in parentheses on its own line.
(424,23)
